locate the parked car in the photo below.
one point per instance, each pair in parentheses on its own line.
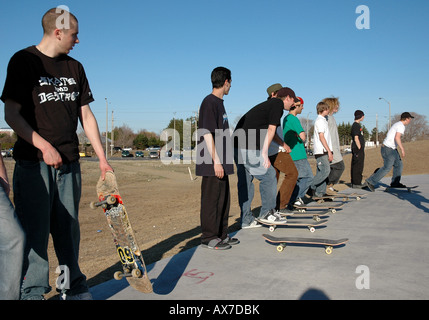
(153,154)
(6,153)
(127,154)
(139,154)
(83,154)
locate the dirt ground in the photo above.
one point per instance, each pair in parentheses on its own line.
(163,205)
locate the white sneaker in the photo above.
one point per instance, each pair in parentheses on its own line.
(80,296)
(273,217)
(299,202)
(254,224)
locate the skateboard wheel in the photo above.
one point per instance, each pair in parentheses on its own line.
(93,205)
(118,275)
(358,198)
(272,228)
(328,250)
(333,210)
(111,200)
(281,247)
(136,273)
(312,229)
(316,218)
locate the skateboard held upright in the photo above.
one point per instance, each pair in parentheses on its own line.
(133,266)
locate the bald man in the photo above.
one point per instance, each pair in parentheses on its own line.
(46,93)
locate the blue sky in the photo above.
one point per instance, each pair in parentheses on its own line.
(152,59)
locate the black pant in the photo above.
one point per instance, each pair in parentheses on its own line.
(337,170)
(215,203)
(358,159)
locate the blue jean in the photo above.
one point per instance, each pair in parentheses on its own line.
(12,241)
(47,202)
(391,159)
(249,166)
(305,179)
(322,172)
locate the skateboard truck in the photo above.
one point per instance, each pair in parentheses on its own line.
(108,201)
(135,273)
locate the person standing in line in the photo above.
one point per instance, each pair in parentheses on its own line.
(322,151)
(279,154)
(252,136)
(358,151)
(337,164)
(215,164)
(390,154)
(12,242)
(46,93)
(294,135)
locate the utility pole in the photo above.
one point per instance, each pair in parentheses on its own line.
(390,117)
(174,133)
(196,129)
(107,123)
(376,130)
(112,144)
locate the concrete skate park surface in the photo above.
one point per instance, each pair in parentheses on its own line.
(386,258)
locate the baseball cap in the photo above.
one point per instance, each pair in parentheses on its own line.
(299,99)
(284,92)
(273,88)
(406,115)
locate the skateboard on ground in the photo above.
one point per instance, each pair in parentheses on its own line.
(133,266)
(316,215)
(344,196)
(330,207)
(310,226)
(281,242)
(407,188)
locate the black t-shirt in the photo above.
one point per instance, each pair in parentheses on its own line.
(255,122)
(357,131)
(213,119)
(51,92)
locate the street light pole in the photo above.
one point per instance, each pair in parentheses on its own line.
(107,123)
(390,123)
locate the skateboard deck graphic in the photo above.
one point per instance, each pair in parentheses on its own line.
(282,241)
(310,226)
(133,266)
(343,196)
(330,207)
(401,188)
